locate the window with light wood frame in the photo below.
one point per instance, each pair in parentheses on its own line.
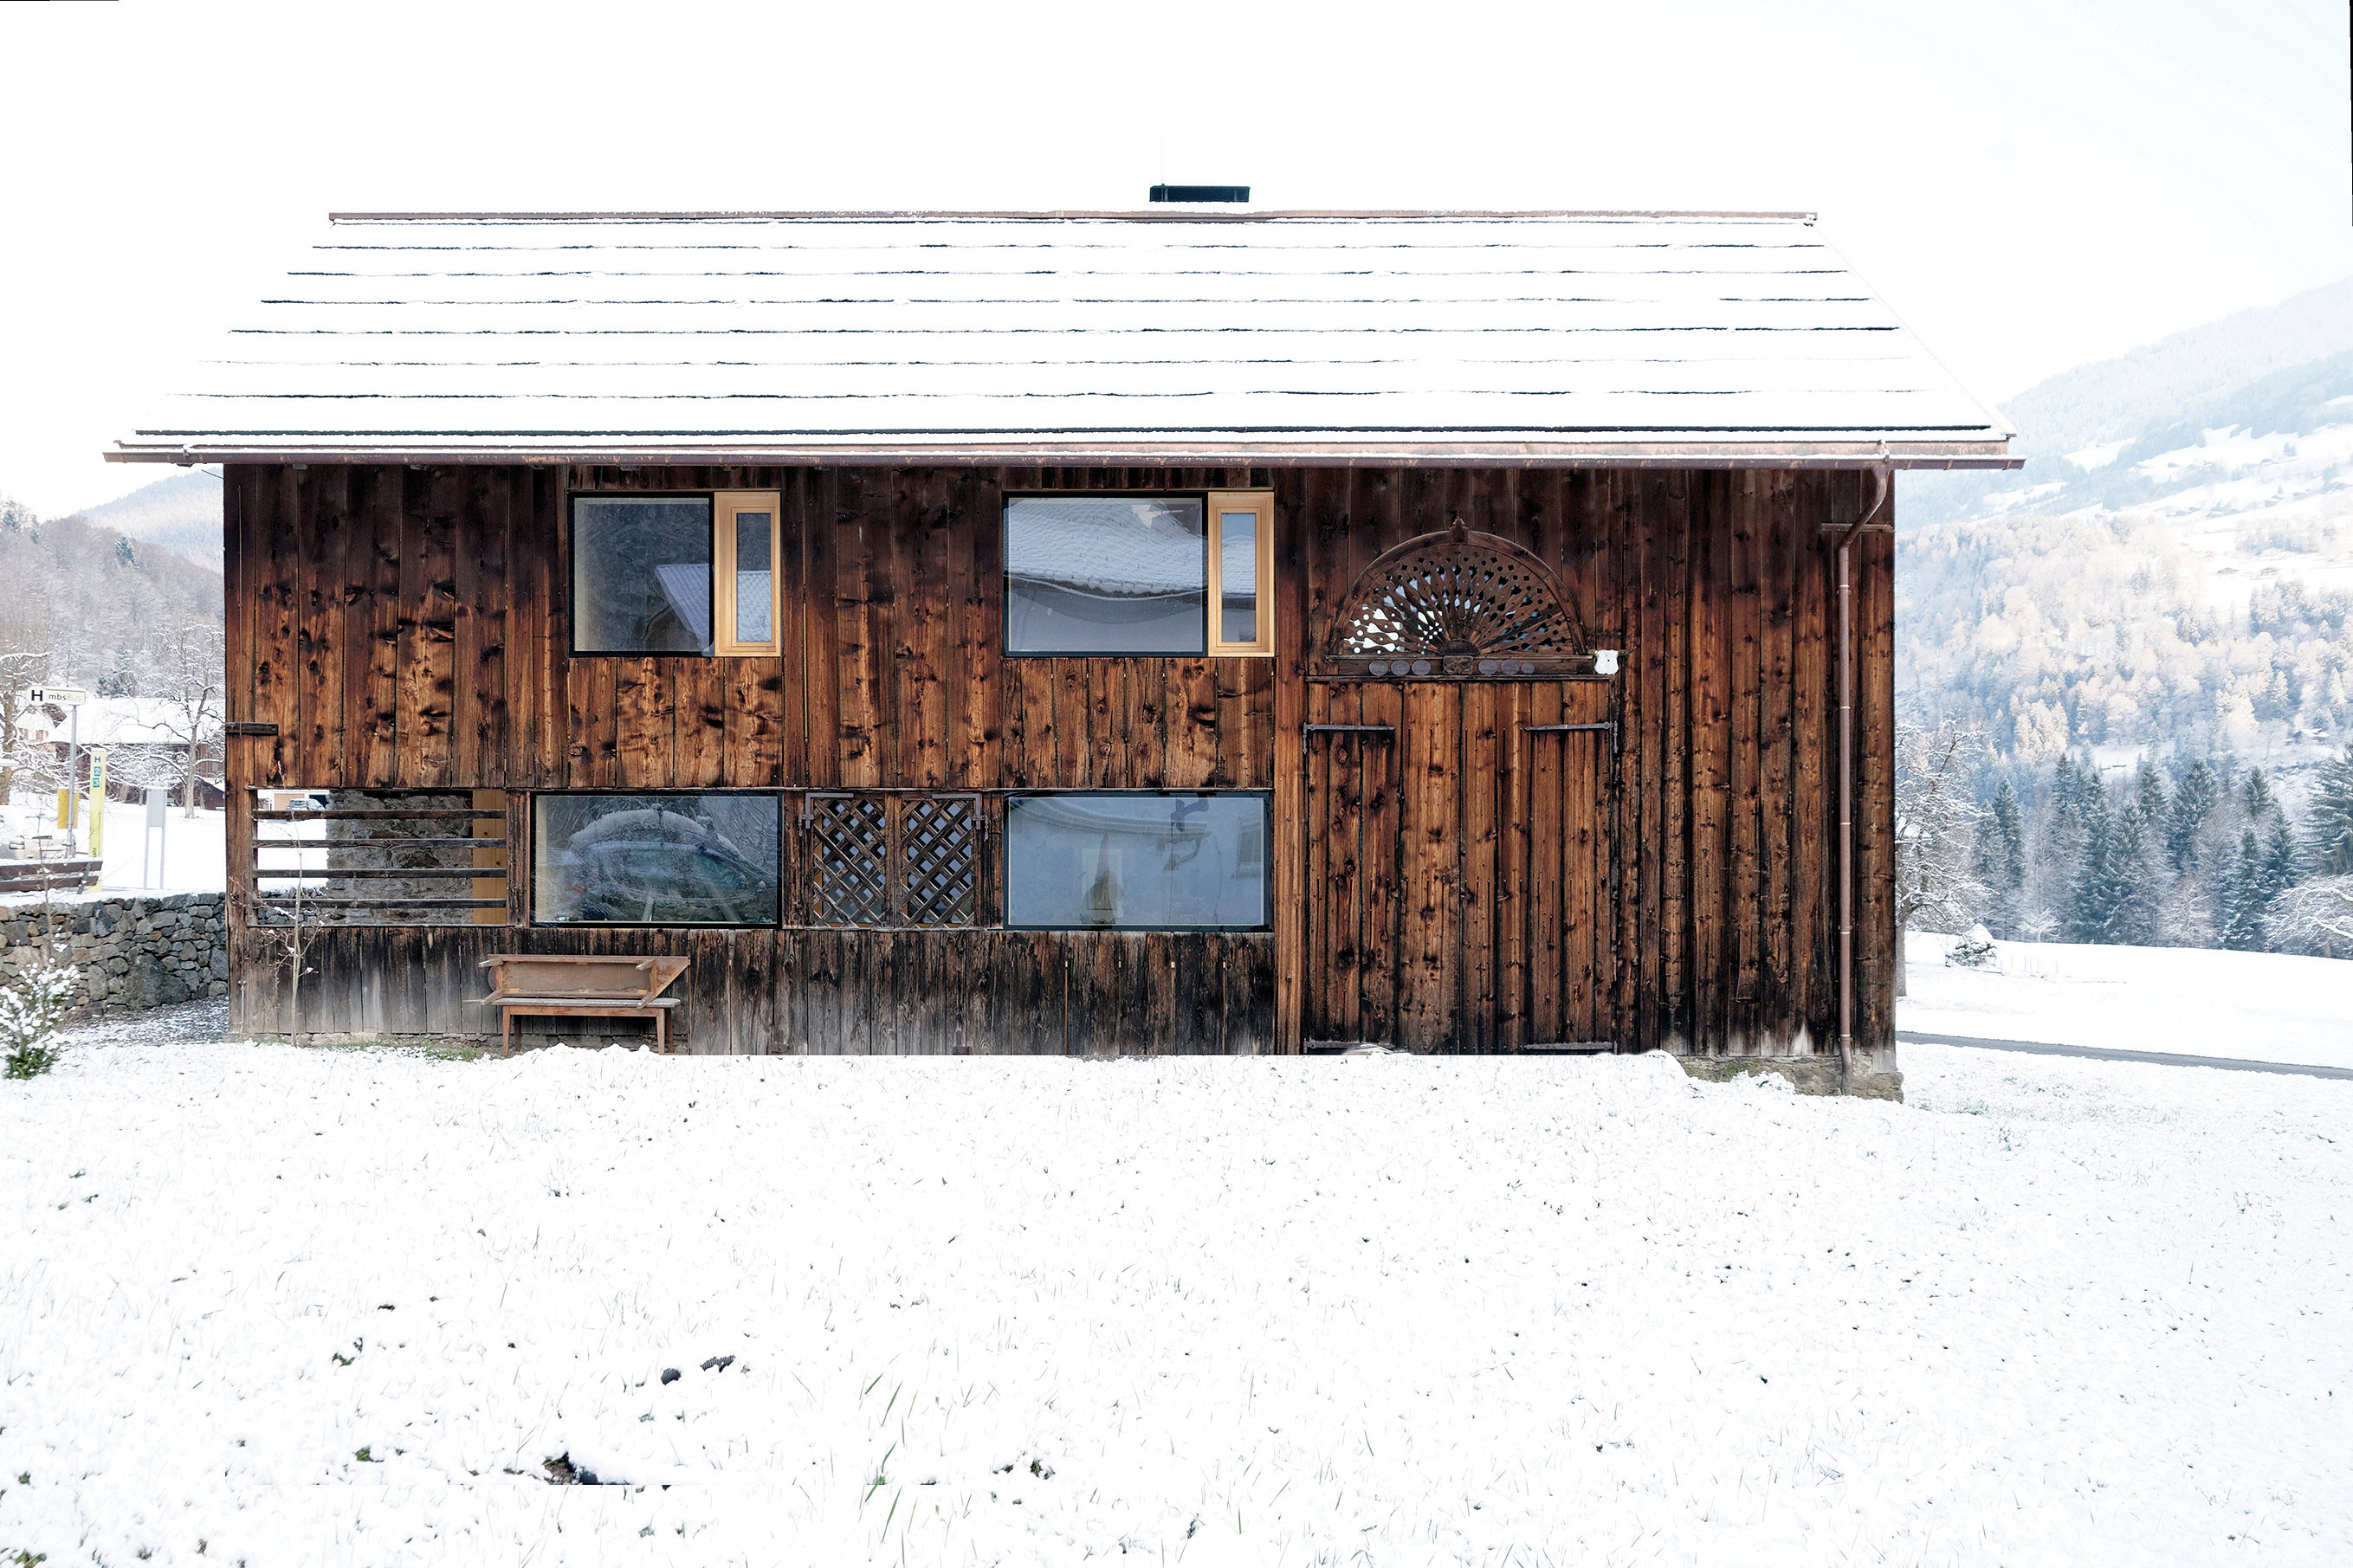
(1242,572)
(747,539)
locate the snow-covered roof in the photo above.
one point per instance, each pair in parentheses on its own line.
(109,722)
(1228,334)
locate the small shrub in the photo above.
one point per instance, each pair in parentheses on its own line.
(1974,951)
(30,1012)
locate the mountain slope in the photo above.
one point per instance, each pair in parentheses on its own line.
(181,513)
(2244,369)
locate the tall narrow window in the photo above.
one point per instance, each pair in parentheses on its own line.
(746,537)
(1241,566)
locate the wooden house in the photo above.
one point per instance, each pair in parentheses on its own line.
(1192,630)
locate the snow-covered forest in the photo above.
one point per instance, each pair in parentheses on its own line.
(87,606)
(2199,853)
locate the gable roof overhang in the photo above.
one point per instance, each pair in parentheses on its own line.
(1196,338)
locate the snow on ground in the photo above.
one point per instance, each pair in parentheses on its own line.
(290,1307)
(2258,1006)
(187,856)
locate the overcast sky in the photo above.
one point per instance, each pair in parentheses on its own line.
(2033,183)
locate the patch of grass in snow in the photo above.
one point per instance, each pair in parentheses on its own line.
(449,1051)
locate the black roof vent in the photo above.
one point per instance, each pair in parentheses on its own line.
(1200,193)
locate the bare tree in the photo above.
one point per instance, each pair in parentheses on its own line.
(185,677)
(2315,917)
(1936,829)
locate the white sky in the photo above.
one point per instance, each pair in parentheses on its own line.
(2033,183)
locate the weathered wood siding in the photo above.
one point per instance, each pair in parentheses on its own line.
(406,627)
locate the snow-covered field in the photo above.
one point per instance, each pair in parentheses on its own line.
(2258,1006)
(340,1307)
(187,856)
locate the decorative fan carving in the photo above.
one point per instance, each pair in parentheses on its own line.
(1459,603)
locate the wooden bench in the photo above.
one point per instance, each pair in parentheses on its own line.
(547,985)
(35,876)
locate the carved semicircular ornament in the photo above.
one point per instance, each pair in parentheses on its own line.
(1459,602)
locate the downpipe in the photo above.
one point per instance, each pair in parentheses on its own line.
(1883,486)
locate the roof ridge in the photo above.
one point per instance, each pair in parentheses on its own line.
(1194,214)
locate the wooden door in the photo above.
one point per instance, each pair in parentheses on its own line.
(1456,885)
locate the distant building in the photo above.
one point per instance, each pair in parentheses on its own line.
(144,748)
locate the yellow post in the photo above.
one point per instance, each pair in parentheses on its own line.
(64,807)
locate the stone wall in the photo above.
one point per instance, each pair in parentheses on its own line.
(134,949)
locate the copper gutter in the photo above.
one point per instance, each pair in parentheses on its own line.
(1883,485)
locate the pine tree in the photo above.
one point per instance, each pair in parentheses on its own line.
(2139,885)
(2096,890)
(2329,832)
(2149,790)
(2282,866)
(2193,802)
(2244,899)
(2258,798)
(2001,860)
(2066,784)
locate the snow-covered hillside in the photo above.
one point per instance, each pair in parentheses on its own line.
(181,513)
(276,1306)
(2170,574)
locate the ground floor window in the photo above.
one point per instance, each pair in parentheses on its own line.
(657,859)
(1149,861)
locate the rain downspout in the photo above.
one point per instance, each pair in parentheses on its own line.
(1883,485)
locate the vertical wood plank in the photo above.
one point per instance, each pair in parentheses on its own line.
(1377,919)
(323,533)
(1482,759)
(1815,746)
(430,573)
(1776,785)
(920,574)
(975,572)
(1874,824)
(822,673)
(1549,924)
(277,687)
(1744,610)
(1430,801)
(1710,741)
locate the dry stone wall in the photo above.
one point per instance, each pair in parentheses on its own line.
(133,951)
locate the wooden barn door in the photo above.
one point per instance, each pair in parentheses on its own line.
(1454,841)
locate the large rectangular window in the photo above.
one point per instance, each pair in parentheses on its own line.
(1106,574)
(656,858)
(675,575)
(1137,861)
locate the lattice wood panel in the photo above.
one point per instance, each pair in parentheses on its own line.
(880,860)
(849,855)
(938,863)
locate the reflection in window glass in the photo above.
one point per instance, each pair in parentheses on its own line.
(1106,574)
(1238,576)
(655,859)
(641,575)
(754,610)
(1148,861)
